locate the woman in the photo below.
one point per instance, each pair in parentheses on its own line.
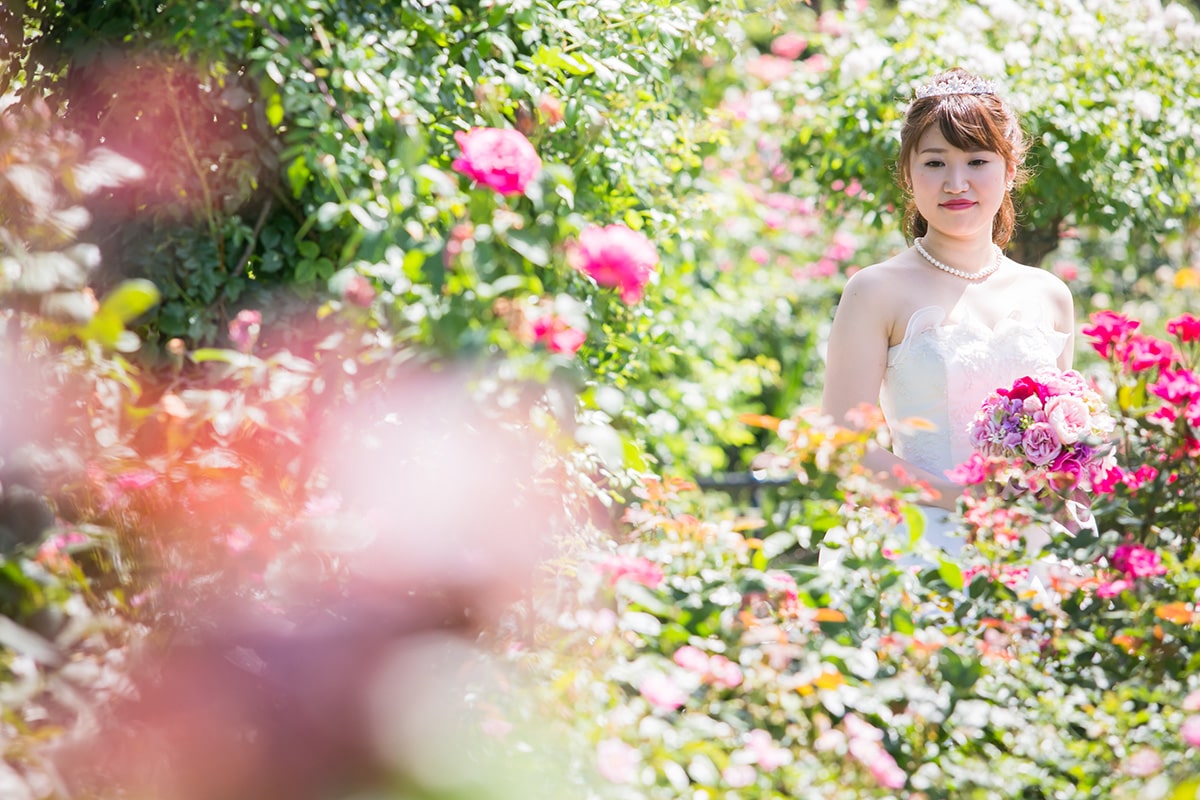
(930,332)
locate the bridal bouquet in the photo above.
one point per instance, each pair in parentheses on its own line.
(1051,423)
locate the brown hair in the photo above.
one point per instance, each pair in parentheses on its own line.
(968,122)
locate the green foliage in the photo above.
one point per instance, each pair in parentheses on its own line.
(1106,152)
(735,664)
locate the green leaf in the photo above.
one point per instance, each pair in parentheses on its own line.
(915,521)
(125,303)
(959,672)
(274,110)
(902,622)
(533,247)
(951,573)
(130,299)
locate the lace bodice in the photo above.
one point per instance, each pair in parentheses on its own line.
(941,372)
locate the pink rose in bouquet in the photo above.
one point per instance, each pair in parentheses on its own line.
(1050,423)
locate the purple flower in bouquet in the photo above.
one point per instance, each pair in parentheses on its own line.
(1049,423)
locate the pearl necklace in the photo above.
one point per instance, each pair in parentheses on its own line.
(958,273)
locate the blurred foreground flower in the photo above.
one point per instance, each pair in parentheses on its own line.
(433,513)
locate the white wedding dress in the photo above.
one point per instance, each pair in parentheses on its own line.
(938,376)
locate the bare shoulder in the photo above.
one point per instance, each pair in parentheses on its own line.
(877,283)
(1043,283)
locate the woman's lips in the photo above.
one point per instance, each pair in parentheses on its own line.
(956,204)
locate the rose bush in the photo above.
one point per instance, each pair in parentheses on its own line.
(703,648)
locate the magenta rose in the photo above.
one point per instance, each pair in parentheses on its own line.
(499,158)
(1109,328)
(1142,352)
(1023,388)
(1179,387)
(1185,326)
(616,257)
(1137,562)
(1040,444)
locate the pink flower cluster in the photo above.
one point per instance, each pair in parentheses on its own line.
(1052,422)
(1115,336)
(636,568)
(1132,562)
(865,744)
(715,669)
(617,257)
(1176,384)
(760,753)
(499,158)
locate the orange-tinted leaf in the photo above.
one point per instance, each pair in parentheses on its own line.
(760,421)
(1179,613)
(829,615)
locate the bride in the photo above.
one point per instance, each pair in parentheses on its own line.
(928,333)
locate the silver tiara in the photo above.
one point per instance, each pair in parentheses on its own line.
(956,84)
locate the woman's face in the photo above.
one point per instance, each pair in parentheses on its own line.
(958,192)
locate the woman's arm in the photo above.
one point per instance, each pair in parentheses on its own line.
(1064,312)
(855,365)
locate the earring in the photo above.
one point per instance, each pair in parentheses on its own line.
(1010,185)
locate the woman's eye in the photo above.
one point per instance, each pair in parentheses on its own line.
(978,162)
(933,163)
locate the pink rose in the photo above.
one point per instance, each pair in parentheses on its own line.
(1179,387)
(1139,478)
(1144,352)
(691,658)
(1068,417)
(558,337)
(789,46)
(1144,763)
(616,761)
(768,68)
(723,673)
(662,692)
(637,568)
(499,158)
(1137,562)
(1112,588)
(616,257)
(243,329)
(359,291)
(1108,328)
(765,752)
(1189,731)
(1185,326)
(970,472)
(739,776)
(1040,444)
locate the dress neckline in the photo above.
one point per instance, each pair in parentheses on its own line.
(931,317)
